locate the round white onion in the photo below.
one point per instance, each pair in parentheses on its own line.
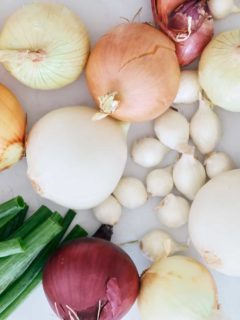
(214,222)
(109,211)
(73,160)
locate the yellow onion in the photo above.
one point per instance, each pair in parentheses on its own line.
(44,45)
(178,288)
(12,128)
(133,73)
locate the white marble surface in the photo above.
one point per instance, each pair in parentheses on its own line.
(99,16)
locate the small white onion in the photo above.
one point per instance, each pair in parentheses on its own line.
(173,211)
(189,87)
(159,182)
(74,161)
(148,152)
(172,129)
(205,127)
(221,9)
(218,162)
(158,244)
(131,192)
(109,211)
(188,175)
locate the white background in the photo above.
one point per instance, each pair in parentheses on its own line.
(99,16)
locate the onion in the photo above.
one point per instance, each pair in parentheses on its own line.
(74,161)
(219,70)
(133,73)
(45,46)
(177,288)
(12,128)
(189,23)
(90,279)
(214,222)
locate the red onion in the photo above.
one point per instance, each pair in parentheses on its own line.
(90,279)
(189,23)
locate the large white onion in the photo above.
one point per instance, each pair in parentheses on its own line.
(214,222)
(219,70)
(73,160)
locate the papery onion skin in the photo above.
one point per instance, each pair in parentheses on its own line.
(89,271)
(73,160)
(138,63)
(178,288)
(43,45)
(219,69)
(166,17)
(12,129)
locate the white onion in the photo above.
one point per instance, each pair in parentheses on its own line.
(109,211)
(74,161)
(214,222)
(218,162)
(160,182)
(219,70)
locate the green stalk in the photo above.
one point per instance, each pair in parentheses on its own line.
(34,221)
(14,205)
(13,267)
(75,233)
(11,247)
(20,289)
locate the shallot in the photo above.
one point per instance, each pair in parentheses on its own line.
(189,23)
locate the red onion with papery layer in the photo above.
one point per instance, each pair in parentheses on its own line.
(188,23)
(90,279)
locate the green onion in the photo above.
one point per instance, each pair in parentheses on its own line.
(14,266)
(14,205)
(34,221)
(11,223)
(19,290)
(76,232)
(11,247)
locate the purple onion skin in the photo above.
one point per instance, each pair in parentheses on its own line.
(87,272)
(172,17)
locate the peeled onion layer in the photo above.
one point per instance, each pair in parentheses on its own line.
(137,64)
(214,223)
(44,46)
(219,69)
(73,160)
(12,129)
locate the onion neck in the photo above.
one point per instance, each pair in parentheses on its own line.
(108,103)
(105,232)
(19,56)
